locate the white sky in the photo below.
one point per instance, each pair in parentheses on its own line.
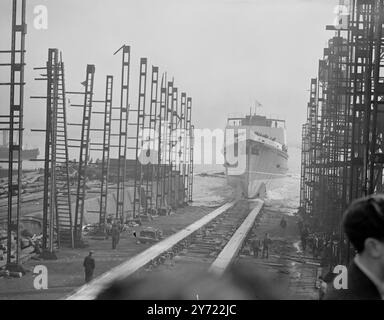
(223,53)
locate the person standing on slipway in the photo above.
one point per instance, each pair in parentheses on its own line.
(266,243)
(89,267)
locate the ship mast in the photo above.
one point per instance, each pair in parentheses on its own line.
(257,105)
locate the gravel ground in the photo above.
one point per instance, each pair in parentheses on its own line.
(289,271)
(66,273)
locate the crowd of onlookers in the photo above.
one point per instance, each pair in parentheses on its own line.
(328,247)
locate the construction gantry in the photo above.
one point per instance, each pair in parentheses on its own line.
(342,140)
(152,173)
(84,152)
(57,212)
(14,129)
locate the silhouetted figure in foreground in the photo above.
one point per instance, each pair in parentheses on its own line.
(255,244)
(322,288)
(266,243)
(364,226)
(238,283)
(89,267)
(115,232)
(304,238)
(300,225)
(283,223)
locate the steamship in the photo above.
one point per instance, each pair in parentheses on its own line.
(26,154)
(255,152)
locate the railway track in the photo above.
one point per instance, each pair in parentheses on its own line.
(203,247)
(212,242)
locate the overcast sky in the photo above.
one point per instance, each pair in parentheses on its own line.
(223,53)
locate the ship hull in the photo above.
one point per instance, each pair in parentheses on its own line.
(261,166)
(25,154)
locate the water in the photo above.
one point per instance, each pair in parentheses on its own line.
(27,165)
(283,194)
(211,189)
(210,186)
(32,165)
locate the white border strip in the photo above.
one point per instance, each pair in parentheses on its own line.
(91,290)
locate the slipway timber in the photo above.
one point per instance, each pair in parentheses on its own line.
(142,143)
(217,237)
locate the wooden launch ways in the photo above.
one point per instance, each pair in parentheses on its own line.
(233,247)
(226,257)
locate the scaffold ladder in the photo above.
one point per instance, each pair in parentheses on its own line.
(123,132)
(50,187)
(376,158)
(191,152)
(188,126)
(103,148)
(162,132)
(182,153)
(150,142)
(57,216)
(361,32)
(84,154)
(168,146)
(140,198)
(173,146)
(63,195)
(106,152)
(14,122)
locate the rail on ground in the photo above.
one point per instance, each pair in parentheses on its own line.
(90,291)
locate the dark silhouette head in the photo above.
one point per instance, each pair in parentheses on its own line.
(239,283)
(364,223)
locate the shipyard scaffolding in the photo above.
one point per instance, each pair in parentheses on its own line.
(137,134)
(151,175)
(149,159)
(181,150)
(161,151)
(342,140)
(167,147)
(83,144)
(152,172)
(13,126)
(190,152)
(57,214)
(104,148)
(120,116)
